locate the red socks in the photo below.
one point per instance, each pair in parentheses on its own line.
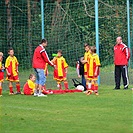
(0,90)
(66,85)
(18,87)
(11,89)
(95,88)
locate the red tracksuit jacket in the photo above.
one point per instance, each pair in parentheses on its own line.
(121,54)
(40,58)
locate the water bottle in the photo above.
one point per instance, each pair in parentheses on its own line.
(2,68)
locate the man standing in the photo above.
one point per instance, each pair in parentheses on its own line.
(121,57)
(40,58)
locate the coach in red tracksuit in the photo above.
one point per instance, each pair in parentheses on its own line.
(40,58)
(121,57)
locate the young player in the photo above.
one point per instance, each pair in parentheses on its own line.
(80,70)
(1,73)
(29,86)
(86,56)
(60,71)
(11,67)
(92,75)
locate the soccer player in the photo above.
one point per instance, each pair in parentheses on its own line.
(93,65)
(1,73)
(60,71)
(86,58)
(11,66)
(40,58)
(121,58)
(29,86)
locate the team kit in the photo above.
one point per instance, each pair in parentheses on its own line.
(87,68)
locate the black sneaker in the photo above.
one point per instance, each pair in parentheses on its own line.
(116,88)
(125,88)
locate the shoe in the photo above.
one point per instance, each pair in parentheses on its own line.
(96,94)
(116,88)
(89,92)
(42,95)
(35,94)
(125,88)
(85,91)
(47,92)
(11,93)
(17,93)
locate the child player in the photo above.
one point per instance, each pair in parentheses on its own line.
(80,70)
(29,86)
(86,58)
(1,72)
(60,71)
(93,65)
(11,67)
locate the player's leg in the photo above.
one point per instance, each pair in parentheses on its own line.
(59,84)
(124,70)
(89,84)
(89,87)
(18,88)
(11,88)
(95,86)
(66,84)
(117,77)
(0,89)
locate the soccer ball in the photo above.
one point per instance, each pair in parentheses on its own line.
(80,87)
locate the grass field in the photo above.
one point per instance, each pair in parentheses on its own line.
(110,112)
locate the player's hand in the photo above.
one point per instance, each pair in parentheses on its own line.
(54,67)
(8,74)
(79,76)
(84,61)
(95,74)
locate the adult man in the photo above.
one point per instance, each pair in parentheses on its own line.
(40,58)
(121,57)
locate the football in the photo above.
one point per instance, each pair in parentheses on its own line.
(80,87)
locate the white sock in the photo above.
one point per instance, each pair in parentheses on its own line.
(89,86)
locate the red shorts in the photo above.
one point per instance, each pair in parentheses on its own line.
(13,78)
(1,76)
(59,78)
(92,77)
(27,90)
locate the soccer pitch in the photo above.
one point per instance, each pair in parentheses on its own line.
(109,112)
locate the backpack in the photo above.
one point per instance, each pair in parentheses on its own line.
(79,85)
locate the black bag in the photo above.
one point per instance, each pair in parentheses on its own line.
(76,83)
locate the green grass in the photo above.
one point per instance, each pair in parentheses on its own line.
(68,113)
(110,112)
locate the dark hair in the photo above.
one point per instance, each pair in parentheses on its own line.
(60,51)
(86,44)
(31,75)
(93,49)
(43,41)
(10,49)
